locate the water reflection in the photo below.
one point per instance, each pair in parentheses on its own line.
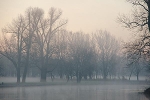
(92,92)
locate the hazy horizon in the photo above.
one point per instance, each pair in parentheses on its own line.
(87,15)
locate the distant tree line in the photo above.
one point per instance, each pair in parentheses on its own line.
(35,45)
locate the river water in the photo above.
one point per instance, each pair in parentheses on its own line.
(74,92)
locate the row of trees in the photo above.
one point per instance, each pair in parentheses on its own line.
(34,41)
(70,54)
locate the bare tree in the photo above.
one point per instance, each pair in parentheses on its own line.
(108,48)
(13,48)
(81,53)
(137,53)
(140,18)
(47,29)
(62,52)
(33,18)
(31,30)
(140,21)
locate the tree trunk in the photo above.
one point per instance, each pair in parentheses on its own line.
(105,74)
(77,76)
(90,75)
(61,72)
(71,77)
(85,77)
(28,52)
(18,74)
(96,75)
(61,75)
(149,15)
(67,76)
(43,74)
(24,74)
(26,66)
(131,74)
(137,76)
(80,77)
(52,76)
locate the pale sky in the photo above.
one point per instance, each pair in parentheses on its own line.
(83,15)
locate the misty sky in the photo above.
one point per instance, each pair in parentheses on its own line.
(83,15)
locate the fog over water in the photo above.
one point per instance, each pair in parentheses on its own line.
(86,90)
(74,92)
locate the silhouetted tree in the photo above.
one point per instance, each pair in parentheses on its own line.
(12,48)
(33,17)
(47,29)
(136,57)
(140,18)
(140,21)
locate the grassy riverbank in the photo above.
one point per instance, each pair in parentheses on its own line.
(73,82)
